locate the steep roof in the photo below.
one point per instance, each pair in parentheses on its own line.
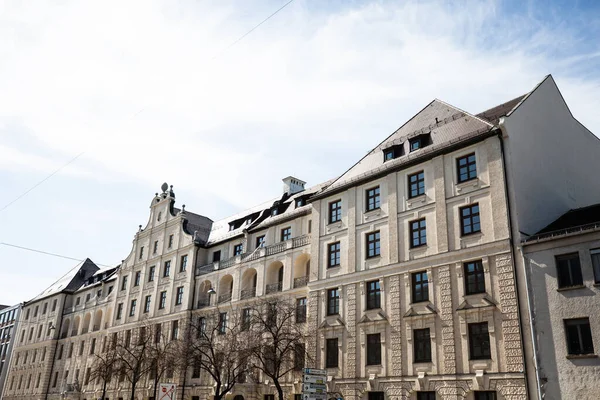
(574,218)
(494,114)
(444,124)
(71,281)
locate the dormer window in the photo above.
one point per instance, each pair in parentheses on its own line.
(273,212)
(231,227)
(299,202)
(419,142)
(392,152)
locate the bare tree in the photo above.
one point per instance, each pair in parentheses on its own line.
(162,354)
(280,345)
(216,343)
(134,349)
(104,366)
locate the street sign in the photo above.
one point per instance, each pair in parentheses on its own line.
(314,388)
(167,391)
(314,371)
(315,379)
(314,396)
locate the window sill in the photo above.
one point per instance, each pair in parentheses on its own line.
(564,289)
(333,267)
(581,356)
(373,257)
(470,235)
(469,183)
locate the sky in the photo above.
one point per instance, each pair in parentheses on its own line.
(150,91)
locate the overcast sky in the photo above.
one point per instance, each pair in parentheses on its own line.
(153,91)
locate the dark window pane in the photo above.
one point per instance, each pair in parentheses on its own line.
(579,336)
(334,255)
(333,301)
(420,287)
(374,349)
(422,345)
(373,199)
(335,211)
(474,277)
(479,341)
(569,270)
(373,295)
(418,233)
(466,168)
(416,184)
(331,356)
(373,244)
(470,222)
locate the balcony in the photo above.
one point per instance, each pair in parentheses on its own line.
(74,332)
(254,255)
(248,293)
(274,287)
(84,330)
(300,281)
(204,301)
(224,298)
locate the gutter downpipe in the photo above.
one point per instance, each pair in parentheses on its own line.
(501,136)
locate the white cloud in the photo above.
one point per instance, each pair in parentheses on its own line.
(134,85)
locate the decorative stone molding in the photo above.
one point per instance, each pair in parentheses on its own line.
(510,389)
(396,326)
(396,390)
(351,338)
(446,315)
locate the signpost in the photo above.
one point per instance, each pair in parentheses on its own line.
(314,386)
(167,391)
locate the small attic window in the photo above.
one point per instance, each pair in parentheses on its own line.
(273,212)
(392,152)
(231,226)
(419,142)
(299,202)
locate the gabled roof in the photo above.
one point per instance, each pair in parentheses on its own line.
(494,114)
(442,122)
(574,218)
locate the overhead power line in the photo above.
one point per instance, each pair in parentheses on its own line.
(48,253)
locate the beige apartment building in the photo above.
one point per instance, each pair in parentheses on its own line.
(407,266)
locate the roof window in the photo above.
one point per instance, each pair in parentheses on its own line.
(418,142)
(393,152)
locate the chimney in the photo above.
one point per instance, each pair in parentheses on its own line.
(292,185)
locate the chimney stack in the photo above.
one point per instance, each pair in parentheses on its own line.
(292,185)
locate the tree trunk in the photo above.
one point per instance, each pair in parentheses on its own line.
(279,389)
(133,390)
(155,386)
(103,390)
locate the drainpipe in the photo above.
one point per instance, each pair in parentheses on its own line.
(501,136)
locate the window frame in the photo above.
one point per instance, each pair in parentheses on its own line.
(179,296)
(137,278)
(478,285)
(575,273)
(373,238)
(467,165)
(373,349)
(260,241)
(286,234)
(485,344)
(151,272)
(595,256)
(373,294)
(147,303)
(335,211)
(238,249)
(421,345)
(417,281)
(583,348)
(166,269)
(484,395)
(421,227)
(334,254)
(463,218)
(162,300)
(332,357)
(183,263)
(333,302)
(301,308)
(420,189)
(373,198)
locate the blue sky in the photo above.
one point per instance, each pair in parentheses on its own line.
(137,88)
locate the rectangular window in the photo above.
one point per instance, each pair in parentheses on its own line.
(579,336)
(425,395)
(55,379)
(485,395)
(141,252)
(147,304)
(420,287)
(466,168)
(335,211)
(595,253)
(260,241)
(222,323)
(568,270)
(93,346)
(418,233)
(417,143)
(170,241)
(163,300)
(136,281)
(373,295)
(474,277)
(479,341)
(331,353)
(155,248)
(123,284)
(373,199)
(333,259)
(422,345)
(151,272)
(217,256)
(237,249)
(70,352)
(119,310)
(81,347)
(167,269)
(54,305)
(299,356)
(374,349)
(246,315)
(333,301)
(416,184)
(286,234)
(373,244)
(179,297)
(174,330)
(45,308)
(469,217)
(183,263)
(301,310)
(157,333)
(132,308)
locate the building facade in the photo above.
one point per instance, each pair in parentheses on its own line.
(9,317)
(407,267)
(563,264)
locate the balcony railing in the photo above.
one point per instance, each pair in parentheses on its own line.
(300,282)
(254,255)
(64,335)
(96,328)
(223,298)
(203,301)
(74,332)
(84,330)
(248,293)
(274,287)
